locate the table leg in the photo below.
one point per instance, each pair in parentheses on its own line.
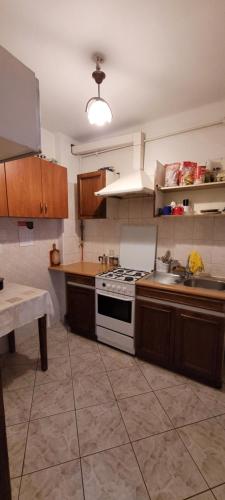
(5,488)
(42,326)
(11,341)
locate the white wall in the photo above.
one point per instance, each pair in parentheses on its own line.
(181,236)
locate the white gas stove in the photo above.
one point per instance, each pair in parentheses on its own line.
(115,290)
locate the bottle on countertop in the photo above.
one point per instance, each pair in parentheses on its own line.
(54,256)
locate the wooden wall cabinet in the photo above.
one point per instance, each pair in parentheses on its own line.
(186,341)
(3,193)
(36,188)
(80,293)
(89,205)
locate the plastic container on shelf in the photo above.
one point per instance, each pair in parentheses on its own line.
(162,267)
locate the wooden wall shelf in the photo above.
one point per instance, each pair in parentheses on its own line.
(192,187)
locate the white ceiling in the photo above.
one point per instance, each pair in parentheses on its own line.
(162,56)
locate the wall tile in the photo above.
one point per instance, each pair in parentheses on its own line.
(203,228)
(183,228)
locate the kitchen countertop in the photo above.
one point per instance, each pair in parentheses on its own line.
(93,268)
(182,289)
(82,268)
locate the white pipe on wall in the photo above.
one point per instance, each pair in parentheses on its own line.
(151,139)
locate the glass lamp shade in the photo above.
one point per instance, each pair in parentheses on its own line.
(98,111)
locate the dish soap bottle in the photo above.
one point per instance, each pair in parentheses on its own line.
(54,256)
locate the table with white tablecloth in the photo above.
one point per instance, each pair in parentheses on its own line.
(19,305)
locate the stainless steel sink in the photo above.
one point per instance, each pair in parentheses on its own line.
(193,282)
(209,283)
(165,278)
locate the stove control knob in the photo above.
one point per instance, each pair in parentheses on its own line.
(103,284)
(119,288)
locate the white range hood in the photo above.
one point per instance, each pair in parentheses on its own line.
(137,182)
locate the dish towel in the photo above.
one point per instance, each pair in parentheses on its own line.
(195,262)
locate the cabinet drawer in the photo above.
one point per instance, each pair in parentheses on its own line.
(80,279)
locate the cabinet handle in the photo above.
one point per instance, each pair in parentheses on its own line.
(46,208)
(41,207)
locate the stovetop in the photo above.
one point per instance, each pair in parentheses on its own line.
(123,274)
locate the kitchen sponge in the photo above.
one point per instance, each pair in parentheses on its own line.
(195,262)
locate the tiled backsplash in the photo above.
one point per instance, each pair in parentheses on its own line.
(206,235)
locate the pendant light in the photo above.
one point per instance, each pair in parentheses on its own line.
(98,110)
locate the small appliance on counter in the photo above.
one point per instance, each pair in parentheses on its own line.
(115,290)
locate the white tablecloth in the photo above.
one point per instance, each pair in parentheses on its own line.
(21,304)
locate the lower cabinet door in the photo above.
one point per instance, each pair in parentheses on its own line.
(199,340)
(154,332)
(81,310)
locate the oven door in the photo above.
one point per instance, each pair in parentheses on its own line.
(115,312)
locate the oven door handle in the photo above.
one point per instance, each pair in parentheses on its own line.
(116,296)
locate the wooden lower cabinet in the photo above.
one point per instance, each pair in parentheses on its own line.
(154,332)
(199,345)
(81,305)
(186,341)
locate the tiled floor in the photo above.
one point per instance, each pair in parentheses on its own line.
(101,425)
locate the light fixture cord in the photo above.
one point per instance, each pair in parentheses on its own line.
(99,90)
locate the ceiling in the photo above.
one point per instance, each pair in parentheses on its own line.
(161,57)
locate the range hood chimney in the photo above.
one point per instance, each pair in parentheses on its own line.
(19,104)
(135,183)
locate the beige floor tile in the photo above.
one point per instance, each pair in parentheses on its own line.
(100,427)
(58,330)
(128,382)
(58,370)
(207,495)
(53,398)
(16,438)
(219,492)
(206,443)
(114,360)
(214,399)
(182,405)
(89,362)
(113,475)
(17,358)
(17,405)
(168,470)
(15,487)
(57,347)
(62,482)
(160,378)
(18,376)
(51,441)
(143,416)
(92,389)
(80,345)
(221,420)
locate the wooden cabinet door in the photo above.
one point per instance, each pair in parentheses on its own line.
(81,310)
(55,190)
(3,196)
(199,345)
(89,205)
(24,187)
(154,332)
